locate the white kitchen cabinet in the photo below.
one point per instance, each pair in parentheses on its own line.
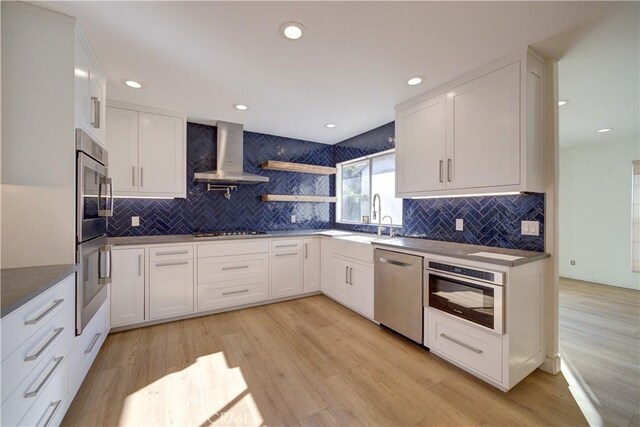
(341,288)
(311,264)
(90,90)
(148,151)
(326,274)
(127,286)
(362,282)
(171,288)
(479,133)
(286,272)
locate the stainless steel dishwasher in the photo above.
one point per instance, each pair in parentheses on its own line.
(398,292)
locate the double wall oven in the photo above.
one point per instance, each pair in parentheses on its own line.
(94,202)
(468,293)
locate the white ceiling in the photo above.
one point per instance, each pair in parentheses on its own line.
(351,66)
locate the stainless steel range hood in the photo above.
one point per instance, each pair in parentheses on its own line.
(229,159)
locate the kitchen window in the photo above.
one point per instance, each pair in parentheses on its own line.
(359,180)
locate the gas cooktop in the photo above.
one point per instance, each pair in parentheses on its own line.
(229,233)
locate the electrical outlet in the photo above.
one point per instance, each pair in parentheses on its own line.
(293,218)
(459,224)
(135,221)
(573,262)
(530,228)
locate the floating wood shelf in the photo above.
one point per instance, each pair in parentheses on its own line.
(275,165)
(292,198)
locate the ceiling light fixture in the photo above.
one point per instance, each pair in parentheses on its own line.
(562,102)
(133,84)
(292,30)
(330,125)
(604,130)
(413,81)
(241,107)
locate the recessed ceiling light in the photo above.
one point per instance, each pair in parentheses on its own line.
(330,125)
(415,80)
(562,102)
(292,30)
(604,130)
(133,84)
(241,107)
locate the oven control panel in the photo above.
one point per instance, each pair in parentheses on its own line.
(487,276)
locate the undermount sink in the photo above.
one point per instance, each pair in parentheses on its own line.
(363,239)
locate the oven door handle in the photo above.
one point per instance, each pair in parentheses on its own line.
(108,204)
(104,279)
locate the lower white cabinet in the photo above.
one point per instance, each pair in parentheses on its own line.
(311,264)
(127,286)
(286,270)
(352,284)
(170,288)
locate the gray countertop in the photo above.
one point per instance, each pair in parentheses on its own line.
(456,250)
(20,285)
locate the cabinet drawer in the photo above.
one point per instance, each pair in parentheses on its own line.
(232,293)
(478,350)
(234,247)
(28,319)
(354,250)
(49,408)
(225,268)
(166,253)
(56,336)
(286,244)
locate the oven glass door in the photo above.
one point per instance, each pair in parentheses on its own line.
(470,301)
(95,201)
(94,273)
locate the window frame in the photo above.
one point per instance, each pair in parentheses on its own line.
(339,167)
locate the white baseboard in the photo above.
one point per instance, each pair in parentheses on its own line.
(551,365)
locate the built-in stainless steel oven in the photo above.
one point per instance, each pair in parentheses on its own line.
(472,294)
(94,203)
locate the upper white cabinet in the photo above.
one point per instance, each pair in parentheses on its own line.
(147,151)
(311,264)
(90,90)
(480,133)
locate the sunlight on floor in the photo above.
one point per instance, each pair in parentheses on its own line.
(208,392)
(582,393)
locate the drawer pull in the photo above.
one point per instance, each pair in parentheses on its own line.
(286,246)
(55,405)
(235,268)
(167,264)
(184,252)
(44,314)
(236,292)
(287,254)
(38,389)
(460,343)
(93,343)
(56,333)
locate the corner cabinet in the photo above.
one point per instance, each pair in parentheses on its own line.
(480,133)
(147,150)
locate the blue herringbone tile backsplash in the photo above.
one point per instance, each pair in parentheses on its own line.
(490,220)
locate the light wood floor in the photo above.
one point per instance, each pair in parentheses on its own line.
(600,350)
(308,362)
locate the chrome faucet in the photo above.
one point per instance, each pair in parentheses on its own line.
(373,216)
(391,232)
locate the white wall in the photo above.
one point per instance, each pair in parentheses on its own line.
(595,212)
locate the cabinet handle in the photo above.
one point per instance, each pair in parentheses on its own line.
(56,333)
(346,275)
(449,167)
(460,343)
(306,251)
(286,246)
(36,392)
(141,176)
(236,292)
(133,176)
(184,252)
(93,343)
(95,104)
(167,264)
(55,406)
(238,267)
(288,253)
(441,170)
(351,276)
(139,265)
(44,314)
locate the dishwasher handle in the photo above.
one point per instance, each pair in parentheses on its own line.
(394,262)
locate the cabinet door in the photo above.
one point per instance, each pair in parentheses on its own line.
(82,88)
(127,287)
(97,92)
(286,275)
(362,279)
(483,131)
(170,288)
(420,147)
(341,288)
(311,268)
(326,275)
(123,150)
(161,155)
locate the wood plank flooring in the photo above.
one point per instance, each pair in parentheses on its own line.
(600,350)
(307,362)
